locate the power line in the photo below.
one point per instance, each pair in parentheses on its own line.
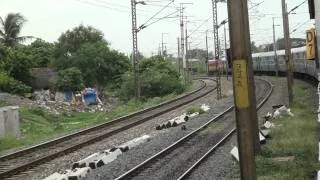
(157,13)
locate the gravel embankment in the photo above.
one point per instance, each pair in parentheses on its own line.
(65,162)
(221,164)
(170,167)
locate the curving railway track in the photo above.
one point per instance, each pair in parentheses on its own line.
(182,157)
(25,159)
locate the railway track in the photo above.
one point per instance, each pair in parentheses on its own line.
(25,159)
(182,157)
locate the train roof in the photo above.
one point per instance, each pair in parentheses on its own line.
(279,52)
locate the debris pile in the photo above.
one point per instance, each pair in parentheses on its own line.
(57,102)
(181,119)
(278,112)
(96,160)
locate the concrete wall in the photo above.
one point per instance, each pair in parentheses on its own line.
(42,76)
(317,19)
(9,122)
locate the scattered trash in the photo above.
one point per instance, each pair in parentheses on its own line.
(283,159)
(283,110)
(235,153)
(262,138)
(205,107)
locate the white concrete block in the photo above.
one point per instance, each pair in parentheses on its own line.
(268,124)
(265,132)
(86,161)
(57,176)
(135,142)
(194,114)
(78,173)
(3,119)
(262,138)
(111,157)
(13,125)
(318,175)
(235,153)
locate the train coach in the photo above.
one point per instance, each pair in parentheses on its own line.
(214,65)
(264,62)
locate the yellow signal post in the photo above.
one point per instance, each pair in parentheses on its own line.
(310,44)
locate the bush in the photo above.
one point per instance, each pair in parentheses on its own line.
(70,79)
(10,85)
(158,78)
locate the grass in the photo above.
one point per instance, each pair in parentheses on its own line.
(293,136)
(36,125)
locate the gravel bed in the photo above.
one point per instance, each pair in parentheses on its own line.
(65,162)
(221,165)
(160,140)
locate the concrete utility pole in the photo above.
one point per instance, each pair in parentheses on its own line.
(207,55)
(182,42)
(162,44)
(225,48)
(186,55)
(287,45)
(216,46)
(179,60)
(135,55)
(242,70)
(275,48)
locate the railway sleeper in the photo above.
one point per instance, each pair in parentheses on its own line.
(75,174)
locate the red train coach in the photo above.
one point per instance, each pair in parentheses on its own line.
(214,65)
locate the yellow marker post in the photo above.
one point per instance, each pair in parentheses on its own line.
(310,44)
(240,80)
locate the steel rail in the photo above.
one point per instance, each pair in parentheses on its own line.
(223,140)
(135,170)
(22,167)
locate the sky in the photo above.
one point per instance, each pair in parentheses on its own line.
(48,19)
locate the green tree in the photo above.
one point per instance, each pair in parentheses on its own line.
(10,29)
(18,63)
(99,64)
(71,41)
(41,52)
(70,79)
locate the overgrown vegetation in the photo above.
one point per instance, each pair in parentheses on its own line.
(37,125)
(70,79)
(158,77)
(293,136)
(9,84)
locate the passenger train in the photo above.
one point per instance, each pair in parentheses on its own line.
(264,62)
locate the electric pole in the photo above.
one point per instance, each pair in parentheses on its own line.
(179,60)
(182,51)
(216,46)
(275,48)
(287,45)
(182,42)
(207,55)
(225,48)
(186,55)
(242,84)
(135,55)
